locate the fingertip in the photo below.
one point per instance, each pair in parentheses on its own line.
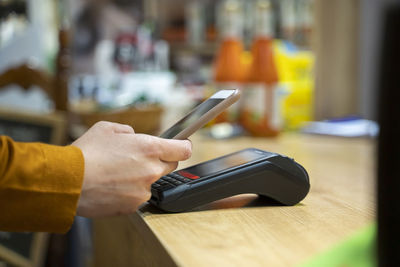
(187,149)
(175,150)
(190,141)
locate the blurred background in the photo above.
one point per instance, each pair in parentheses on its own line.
(303,66)
(301,60)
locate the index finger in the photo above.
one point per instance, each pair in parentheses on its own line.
(175,150)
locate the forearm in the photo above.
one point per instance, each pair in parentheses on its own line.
(40,186)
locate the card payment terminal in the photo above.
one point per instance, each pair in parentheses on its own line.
(247,171)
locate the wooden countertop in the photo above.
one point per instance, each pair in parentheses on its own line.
(248,231)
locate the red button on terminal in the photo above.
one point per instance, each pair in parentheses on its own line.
(188,175)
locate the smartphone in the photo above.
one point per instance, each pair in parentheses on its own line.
(202,114)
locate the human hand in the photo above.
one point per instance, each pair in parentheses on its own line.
(120,167)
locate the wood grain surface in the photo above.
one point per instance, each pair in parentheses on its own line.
(247,231)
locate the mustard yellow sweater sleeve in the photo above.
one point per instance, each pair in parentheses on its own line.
(40,186)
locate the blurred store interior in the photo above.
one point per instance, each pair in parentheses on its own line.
(169,55)
(304,67)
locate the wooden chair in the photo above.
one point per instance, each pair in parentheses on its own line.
(27,76)
(30,126)
(50,128)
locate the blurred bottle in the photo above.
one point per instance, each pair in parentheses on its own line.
(144,56)
(125,51)
(296,17)
(260,114)
(229,70)
(161,56)
(288,19)
(195,23)
(304,23)
(228,65)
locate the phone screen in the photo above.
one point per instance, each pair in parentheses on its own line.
(220,164)
(192,117)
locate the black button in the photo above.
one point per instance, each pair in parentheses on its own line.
(177,183)
(166,187)
(169,179)
(184,180)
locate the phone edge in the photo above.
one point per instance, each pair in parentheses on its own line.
(211,114)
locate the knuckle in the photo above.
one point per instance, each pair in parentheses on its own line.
(124,127)
(102,124)
(153,148)
(153,151)
(130,128)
